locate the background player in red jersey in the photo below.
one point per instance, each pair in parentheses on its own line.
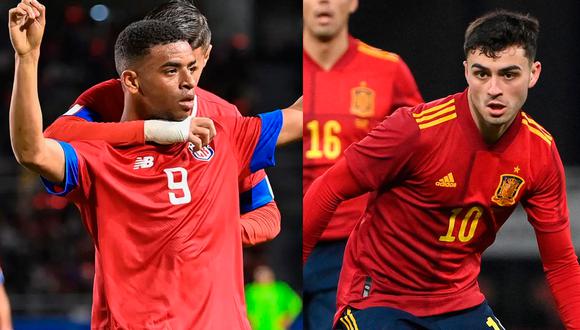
(349,87)
(95,115)
(167,256)
(5,317)
(444,177)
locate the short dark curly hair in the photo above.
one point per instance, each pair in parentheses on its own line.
(187,18)
(501,29)
(136,40)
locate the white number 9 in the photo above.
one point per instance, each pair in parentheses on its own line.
(182,185)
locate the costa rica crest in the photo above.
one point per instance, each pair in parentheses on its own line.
(508,189)
(362,101)
(205,154)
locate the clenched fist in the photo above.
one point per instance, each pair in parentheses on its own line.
(26,24)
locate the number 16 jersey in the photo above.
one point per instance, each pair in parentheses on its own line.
(165,224)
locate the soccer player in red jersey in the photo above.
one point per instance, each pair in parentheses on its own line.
(5,317)
(444,177)
(162,218)
(349,88)
(96,115)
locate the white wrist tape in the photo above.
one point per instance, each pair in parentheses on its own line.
(167,132)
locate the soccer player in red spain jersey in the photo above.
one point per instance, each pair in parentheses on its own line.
(349,88)
(5,317)
(95,115)
(162,218)
(444,177)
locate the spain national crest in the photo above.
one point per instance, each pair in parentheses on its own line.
(205,154)
(507,190)
(362,101)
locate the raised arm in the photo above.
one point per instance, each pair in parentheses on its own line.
(32,150)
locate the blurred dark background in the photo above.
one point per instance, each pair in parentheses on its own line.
(45,253)
(429,36)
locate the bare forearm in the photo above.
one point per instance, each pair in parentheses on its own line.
(25,114)
(31,149)
(292,126)
(5,318)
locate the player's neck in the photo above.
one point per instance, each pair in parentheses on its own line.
(325,53)
(489,132)
(129,111)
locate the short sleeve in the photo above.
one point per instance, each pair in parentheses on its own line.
(71,180)
(385,151)
(103,102)
(254,139)
(258,195)
(546,204)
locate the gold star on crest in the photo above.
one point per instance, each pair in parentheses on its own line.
(517,169)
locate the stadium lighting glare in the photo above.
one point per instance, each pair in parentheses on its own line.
(99,13)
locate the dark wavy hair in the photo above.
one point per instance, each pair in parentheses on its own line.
(501,29)
(136,40)
(187,18)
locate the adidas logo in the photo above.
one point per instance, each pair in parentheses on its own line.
(447,181)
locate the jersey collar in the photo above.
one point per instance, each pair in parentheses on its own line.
(472,132)
(342,62)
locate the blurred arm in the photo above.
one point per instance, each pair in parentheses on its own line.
(321,200)
(562,273)
(260,225)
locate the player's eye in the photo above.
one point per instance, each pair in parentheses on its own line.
(170,71)
(510,75)
(481,74)
(192,68)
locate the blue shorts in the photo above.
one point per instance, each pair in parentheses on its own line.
(320,278)
(480,317)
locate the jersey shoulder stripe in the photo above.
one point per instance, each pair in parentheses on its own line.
(436,114)
(536,128)
(377,53)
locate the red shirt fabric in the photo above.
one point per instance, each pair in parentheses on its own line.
(439,196)
(165,224)
(342,105)
(104,103)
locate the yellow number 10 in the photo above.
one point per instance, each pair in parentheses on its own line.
(464,235)
(330,141)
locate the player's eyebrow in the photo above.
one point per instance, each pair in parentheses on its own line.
(177,64)
(502,70)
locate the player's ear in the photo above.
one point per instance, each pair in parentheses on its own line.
(130,81)
(465,69)
(535,73)
(206,54)
(353,6)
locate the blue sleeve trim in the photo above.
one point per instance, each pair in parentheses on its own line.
(71,173)
(87,115)
(1,277)
(264,152)
(260,195)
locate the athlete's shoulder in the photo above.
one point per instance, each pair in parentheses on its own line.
(369,51)
(213,105)
(436,113)
(538,133)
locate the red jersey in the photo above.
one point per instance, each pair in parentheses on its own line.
(164,221)
(440,194)
(104,102)
(341,105)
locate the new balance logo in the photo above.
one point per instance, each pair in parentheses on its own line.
(447,181)
(143,162)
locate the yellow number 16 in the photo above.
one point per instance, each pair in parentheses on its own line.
(331,146)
